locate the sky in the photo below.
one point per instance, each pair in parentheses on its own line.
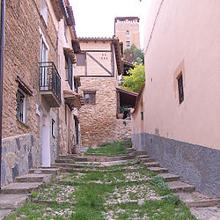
(95,18)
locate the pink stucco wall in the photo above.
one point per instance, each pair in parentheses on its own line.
(186,38)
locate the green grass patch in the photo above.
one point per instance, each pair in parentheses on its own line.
(109,149)
(31,210)
(155,210)
(160,186)
(90,200)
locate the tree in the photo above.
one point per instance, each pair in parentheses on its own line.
(136,78)
(134,55)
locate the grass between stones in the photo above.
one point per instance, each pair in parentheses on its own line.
(74,196)
(110,149)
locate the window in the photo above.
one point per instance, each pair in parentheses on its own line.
(53,128)
(180,87)
(81,59)
(69,71)
(21,106)
(43,58)
(142,116)
(90,97)
(43,51)
(44,10)
(128,44)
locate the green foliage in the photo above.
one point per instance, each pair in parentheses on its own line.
(134,55)
(135,81)
(110,149)
(160,186)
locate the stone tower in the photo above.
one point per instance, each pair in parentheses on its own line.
(127,30)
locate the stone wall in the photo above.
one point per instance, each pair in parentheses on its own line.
(21,59)
(19,154)
(98,122)
(195,164)
(23,27)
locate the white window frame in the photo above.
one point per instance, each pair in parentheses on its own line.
(44,11)
(43,42)
(24,108)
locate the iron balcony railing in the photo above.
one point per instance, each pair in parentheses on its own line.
(50,80)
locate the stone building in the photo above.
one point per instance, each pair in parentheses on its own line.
(127,31)
(99,66)
(176,119)
(35,83)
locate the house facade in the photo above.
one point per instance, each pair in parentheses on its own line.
(176,120)
(35,84)
(99,66)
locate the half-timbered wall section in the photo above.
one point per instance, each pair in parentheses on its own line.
(99,65)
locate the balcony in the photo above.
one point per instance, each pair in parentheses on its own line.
(50,84)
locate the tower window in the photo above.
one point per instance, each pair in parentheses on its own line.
(128,33)
(128,44)
(180,87)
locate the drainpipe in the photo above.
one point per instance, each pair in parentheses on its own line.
(2,43)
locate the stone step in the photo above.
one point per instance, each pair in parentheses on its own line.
(73,166)
(140,153)
(73,157)
(73,162)
(4,213)
(20,188)
(152,164)
(44,170)
(158,169)
(94,165)
(206,213)
(34,177)
(142,156)
(168,177)
(147,160)
(131,150)
(12,201)
(87,170)
(179,186)
(196,199)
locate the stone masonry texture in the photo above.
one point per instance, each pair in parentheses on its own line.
(21,145)
(19,154)
(98,122)
(196,164)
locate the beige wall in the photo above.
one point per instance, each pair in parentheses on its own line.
(137,122)
(185,38)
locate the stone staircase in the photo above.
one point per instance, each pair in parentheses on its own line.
(15,194)
(185,191)
(202,207)
(84,164)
